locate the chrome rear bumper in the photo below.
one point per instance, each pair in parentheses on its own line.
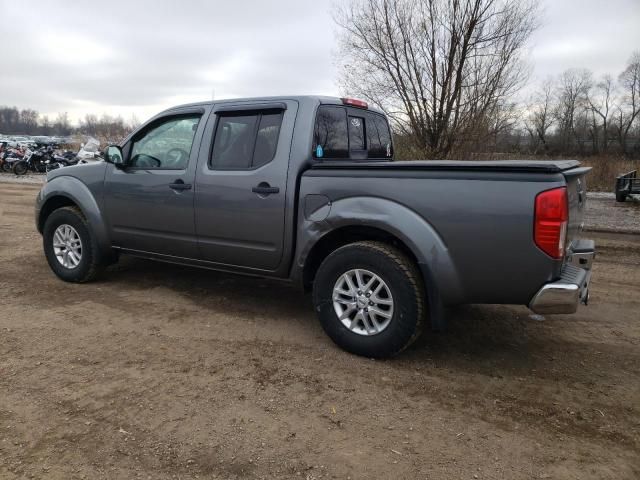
(564,295)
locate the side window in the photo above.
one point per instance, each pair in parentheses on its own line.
(233,143)
(245,140)
(267,139)
(330,137)
(165,146)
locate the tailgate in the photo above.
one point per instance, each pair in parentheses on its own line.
(577,193)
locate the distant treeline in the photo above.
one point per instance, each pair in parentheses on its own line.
(14,121)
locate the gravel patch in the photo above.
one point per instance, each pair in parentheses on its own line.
(30,178)
(604,214)
(601,195)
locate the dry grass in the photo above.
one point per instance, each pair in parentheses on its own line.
(602,178)
(606,169)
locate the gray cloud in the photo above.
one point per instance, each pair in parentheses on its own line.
(599,35)
(142,56)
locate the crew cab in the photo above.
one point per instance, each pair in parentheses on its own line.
(305,189)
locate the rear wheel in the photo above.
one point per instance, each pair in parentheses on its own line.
(620,197)
(20,168)
(369,297)
(70,249)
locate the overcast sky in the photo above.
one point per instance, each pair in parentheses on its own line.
(124,57)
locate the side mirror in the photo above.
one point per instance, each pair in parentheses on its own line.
(113,154)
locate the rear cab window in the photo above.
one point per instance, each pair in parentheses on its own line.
(343,132)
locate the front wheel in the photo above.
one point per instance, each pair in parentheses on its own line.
(71,251)
(369,297)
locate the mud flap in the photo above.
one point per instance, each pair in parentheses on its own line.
(436,308)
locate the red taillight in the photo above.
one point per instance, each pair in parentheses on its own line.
(355,103)
(551,217)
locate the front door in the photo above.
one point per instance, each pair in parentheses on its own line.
(241,184)
(149,201)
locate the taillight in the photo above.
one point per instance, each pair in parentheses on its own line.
(551,218)
(354,102)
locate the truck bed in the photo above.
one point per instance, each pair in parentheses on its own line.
(523,166)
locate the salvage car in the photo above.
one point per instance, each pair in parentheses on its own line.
(305,189)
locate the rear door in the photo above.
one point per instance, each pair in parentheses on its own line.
(241,184)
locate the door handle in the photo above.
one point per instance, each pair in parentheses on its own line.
(264,188)
(180,185)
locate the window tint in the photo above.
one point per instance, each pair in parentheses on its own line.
(385,136)
(233,143)
(267,139)
(167,145)
(356,133)
(340,135)
(330,138)
(375,148)
(244,141)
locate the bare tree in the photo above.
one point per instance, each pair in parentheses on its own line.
(571,102)
(540,115)
(45,125)
(438,68)
(629,109)
(601,99)
(62,125)
(134,122)
(90,124)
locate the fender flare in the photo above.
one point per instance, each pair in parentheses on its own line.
(417,234)
(77,192)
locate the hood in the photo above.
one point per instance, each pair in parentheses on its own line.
(84,171)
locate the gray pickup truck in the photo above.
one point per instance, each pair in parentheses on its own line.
(305,189)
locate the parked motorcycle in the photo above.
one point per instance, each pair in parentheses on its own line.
(4,147)
(66,159)
(36,161)
(11,156)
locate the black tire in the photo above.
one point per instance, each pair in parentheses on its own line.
(6,167)
(620,197)
(20,168)
(404,281)
(90,264)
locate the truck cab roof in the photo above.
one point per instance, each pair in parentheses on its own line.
(319,99)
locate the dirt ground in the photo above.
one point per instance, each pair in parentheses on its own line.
(605,215)
(164,372)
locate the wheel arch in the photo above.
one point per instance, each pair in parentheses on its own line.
(66,191)
(374,218)
(52,204)
(346,235)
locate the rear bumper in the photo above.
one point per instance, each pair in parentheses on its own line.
(565,294)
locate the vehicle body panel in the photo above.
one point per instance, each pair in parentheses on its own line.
(83,185)
(479,247)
